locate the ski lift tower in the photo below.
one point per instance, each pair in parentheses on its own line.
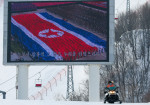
(70,84)
(128,14)
(128,7)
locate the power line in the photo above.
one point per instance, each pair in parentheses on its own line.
(38,72)
(10,89)
(15,76)
(7,80)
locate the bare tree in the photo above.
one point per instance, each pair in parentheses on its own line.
(132,62)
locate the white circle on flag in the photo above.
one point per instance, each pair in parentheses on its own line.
(44,33)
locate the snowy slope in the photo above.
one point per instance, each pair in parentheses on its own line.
(5,102)
(48,73)
(59,88)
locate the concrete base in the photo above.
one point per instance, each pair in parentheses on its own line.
(22,81)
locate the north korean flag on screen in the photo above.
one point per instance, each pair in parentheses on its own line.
(59,40)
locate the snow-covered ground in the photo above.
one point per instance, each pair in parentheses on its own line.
(18,102)
(58,88)
(47,73)
(7,72)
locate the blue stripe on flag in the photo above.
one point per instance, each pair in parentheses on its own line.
(31,45)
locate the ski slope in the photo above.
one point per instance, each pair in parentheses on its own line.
(47,73)
(59,87)
(5,102)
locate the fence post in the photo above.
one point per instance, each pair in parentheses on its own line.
(46,90)
(60,76)
(50,85)
(55,80)
(33,97)
(41,95)
(65,71)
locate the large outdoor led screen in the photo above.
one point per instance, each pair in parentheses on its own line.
(58,31)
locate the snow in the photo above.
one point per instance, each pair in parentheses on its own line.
(57,88)
(48,73)
(24,102)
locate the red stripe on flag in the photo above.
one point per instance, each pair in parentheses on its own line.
(50,3)
(64,45)
(97,3)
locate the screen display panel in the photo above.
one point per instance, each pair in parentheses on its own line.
(56,31)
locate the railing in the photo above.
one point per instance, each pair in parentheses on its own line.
(49,85)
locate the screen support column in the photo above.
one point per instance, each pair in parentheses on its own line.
(22,81)
(94,81)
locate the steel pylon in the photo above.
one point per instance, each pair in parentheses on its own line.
(70,83)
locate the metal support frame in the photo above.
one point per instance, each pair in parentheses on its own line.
(128,6)
(128,14)
(22,79)
(94,83)
(70,83)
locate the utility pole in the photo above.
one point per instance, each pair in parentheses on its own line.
(128,14)
(70,83)
(128,6)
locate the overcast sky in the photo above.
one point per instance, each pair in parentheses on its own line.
(120,5)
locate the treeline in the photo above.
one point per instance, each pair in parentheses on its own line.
(131,70)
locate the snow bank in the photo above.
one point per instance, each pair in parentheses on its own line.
(25,102)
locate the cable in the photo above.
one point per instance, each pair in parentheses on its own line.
(38,72)
(10,89)
(7,80)
(15,76)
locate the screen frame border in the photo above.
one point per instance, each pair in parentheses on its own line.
(110,39)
